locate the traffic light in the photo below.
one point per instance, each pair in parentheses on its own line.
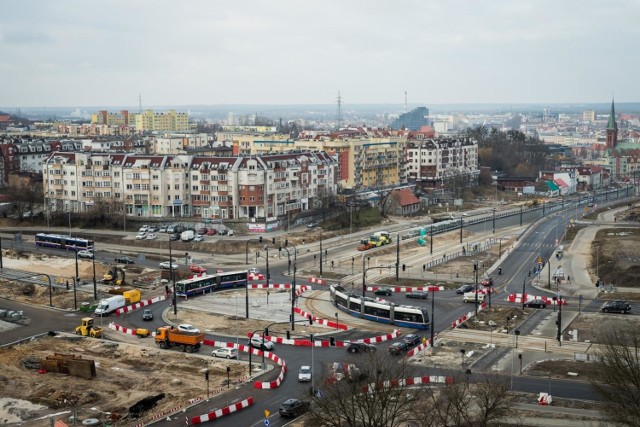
(404,267)
(332,341)
(273,240)
(266,332)
(260,239)
(325,252)
(288,335)
(228,369)
(206,375)
(310,321)
(286,242)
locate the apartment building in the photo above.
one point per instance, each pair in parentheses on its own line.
(178,143)
(184,185)
(147,121)
(430,162)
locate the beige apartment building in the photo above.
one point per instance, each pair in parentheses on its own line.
(148,121)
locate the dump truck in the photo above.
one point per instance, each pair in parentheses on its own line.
(86,328)
(168,336)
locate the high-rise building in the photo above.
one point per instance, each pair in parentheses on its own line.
(412,120)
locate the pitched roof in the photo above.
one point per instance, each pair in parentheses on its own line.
(405,197)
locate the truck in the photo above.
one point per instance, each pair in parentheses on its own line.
(169,336)
(130,295)
(86,328)
(109,305)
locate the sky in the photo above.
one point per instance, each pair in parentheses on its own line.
(283,52)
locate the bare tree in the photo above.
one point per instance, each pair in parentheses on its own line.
(25,196)
(326,198)
(618,379)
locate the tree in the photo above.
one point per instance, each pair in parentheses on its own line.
(326,198)
(25,196)
(369,395)
(618,379)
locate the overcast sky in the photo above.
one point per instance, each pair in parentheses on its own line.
(82,52)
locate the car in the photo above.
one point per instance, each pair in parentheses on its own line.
(464,289)
(616,306)
(179,229)
(487,281)
(292,408)
(147,314)
(411,340)
(171,228)
(163,229)
(141,236)
(167,265)
(304,374)
(187,327)
(256,341)
(383,291)
(471,297)
(417,295)
(397,348)
(85,254)
(124,260)
(143,229)
(254,270)
(211,232)
(199,238)
(223,232)
(226,352)
(153,228)
(202,231)
(175,236)
(195,268)
(312,225)
(152,236)
(536,303)
(359,347)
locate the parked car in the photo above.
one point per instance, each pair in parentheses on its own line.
(212,232)
(153,229)
(202,231)
(179,228)
(143,229)
(383,291)
(163,229)
(195,268)
(411,339)
(471,297)
(536,303)
(124,260)
(312,225)
(187,235)
(226,352)
(254,270)
(467,287)
(85,254)
(187,327)
(152,236)
(167,265)
(199,238)
(359,347)
(398,348)
(487,281)
(175,236)
(616,306)
(304,374)
(171,228)
(147,314)
(223,232)
(417,295)
(256,341)
(141,235)
(292,408)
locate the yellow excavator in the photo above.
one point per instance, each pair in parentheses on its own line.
(86,328)
(115,276)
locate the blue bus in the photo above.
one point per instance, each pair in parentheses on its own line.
(63,242)
(200,285)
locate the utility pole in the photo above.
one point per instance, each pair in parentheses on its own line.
(397,256)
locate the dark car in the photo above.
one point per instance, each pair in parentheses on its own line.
(464,289)
(179,229)
(359,347)
(147,315)
(536,303)
(202,231)
(417,295)
(616,307)
(124,260)
(175,236)
(383,291)
(411,340)
(293,408)
(398,348)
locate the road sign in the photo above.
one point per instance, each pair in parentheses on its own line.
(539,259)
(581,298)
(424,340)
(318,394)
(267,413)
(266,422)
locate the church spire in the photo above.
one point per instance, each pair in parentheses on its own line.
(612,125)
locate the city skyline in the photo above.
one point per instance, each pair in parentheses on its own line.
(69,53)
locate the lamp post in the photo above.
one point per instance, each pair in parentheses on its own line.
(75,282)
(312,339)
(433,313)
(293,283)
(524,282)
(559,334)
(174,298)
(494,220)
(597,262)
(288,258)
(337,323)
(320,257)
(397,256)
(95,286)
(246,249)
(475,270)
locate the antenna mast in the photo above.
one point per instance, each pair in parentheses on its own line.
(339,110)
(139,103)
(405,101)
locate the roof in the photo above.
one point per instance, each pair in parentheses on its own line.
(560,182)
(552,186)
(405,197)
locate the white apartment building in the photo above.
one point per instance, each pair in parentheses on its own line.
(183,185)
(430,162)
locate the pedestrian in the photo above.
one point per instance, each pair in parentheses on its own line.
(569,279)
(67,285)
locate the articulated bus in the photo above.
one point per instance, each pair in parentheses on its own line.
(398,315)
(200,285)
(63,242)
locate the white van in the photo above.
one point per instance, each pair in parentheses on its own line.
(109,305)
(187,236)
(471,297)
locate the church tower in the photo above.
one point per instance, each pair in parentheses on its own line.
(612,128)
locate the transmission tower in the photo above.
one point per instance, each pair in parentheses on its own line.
(139,103)
(339,113)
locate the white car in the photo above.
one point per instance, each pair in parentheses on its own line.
(226,352)
(471,297)
(167,265)
(186,327)
(254,270)
(304,375)
(141,236)
(256,341)
(143,229)
(199,238)
(85,254)
(151,236)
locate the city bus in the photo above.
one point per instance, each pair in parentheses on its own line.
(63,242)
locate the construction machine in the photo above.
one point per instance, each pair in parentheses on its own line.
(86,328)
(115,276)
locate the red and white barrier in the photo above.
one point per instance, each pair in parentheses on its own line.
(422,346)
(429,288)
(317,281)
(408,382)
(459,321)
(271,286)
(527,297)
(219,413)
(318,342)
(122,329)
(253,276)
(329,323)
(381,338)
(140,304)
(544,399)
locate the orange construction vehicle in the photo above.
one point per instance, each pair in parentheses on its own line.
(168,336)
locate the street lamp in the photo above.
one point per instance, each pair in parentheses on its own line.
(288,258)
(337,323)
(494,220)
(173,280)
(95,286)
(597,262)
(475,270)
(462,353)
(75,282)
(433,313)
